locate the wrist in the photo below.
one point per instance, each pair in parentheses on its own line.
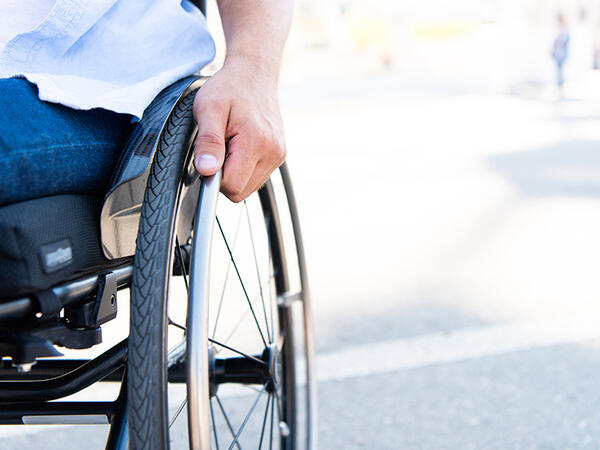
(264,66)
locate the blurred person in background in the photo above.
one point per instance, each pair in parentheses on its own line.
(560,49)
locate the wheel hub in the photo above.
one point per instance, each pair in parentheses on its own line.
(249,369)
(272,357)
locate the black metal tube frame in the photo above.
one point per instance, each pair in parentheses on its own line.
(45,369)
(69,293)
(67,384)
(22,413)
(13,413)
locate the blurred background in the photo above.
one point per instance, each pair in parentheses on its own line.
(448,180)
(449,192)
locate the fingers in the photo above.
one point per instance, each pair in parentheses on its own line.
(248,167)
(238,169)
(209,148)
(250,129)
(261,174)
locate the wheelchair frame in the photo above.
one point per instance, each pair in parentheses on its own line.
(27,401)
(25,390)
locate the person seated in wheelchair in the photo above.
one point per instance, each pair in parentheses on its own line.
(73,73)
(75,79)
(89,92)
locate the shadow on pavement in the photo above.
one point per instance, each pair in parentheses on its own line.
(383,323)
(569,168)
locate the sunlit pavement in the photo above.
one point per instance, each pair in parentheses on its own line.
(453,247)
(453,241)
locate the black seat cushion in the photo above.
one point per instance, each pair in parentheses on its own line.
(48,240)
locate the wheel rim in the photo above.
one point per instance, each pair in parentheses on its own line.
(178,311)
(256,355)
(162,349)
(158,353)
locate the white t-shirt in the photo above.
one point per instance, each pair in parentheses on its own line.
(112,54)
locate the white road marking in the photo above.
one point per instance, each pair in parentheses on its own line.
(463,344)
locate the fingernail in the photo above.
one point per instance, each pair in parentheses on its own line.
(205,161)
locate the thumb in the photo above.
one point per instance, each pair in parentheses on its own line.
(209,149)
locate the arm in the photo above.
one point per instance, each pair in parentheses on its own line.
(238,108)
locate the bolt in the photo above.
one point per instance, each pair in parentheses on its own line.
(113,300)
(284,429)
(24,367)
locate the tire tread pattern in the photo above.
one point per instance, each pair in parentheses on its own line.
(146,370)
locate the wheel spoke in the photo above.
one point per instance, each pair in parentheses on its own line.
(278,400)
(175,324)
(253,358)
(260,288)
(267,224)
(237,436)
(264,424)
(271,429)
(214,425)
(178,412)
(242,283)
(244,314)
(227,419)
(176,353)
(235,238)
(237,325)
(252,388)
(183,271)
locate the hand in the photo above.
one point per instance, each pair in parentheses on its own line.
(238,113)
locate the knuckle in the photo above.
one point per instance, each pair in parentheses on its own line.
(263,137)
(277,153)
(281,153)
(234,193)
(210,138)
(236,198)
(268,142)
(201,103)
(204,104)
(204,95)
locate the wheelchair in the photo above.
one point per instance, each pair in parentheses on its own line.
(219,352)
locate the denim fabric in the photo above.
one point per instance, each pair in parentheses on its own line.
(48,149)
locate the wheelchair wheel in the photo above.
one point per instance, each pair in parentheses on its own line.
(225,364)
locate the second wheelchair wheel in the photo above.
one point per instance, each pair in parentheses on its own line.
(225,364)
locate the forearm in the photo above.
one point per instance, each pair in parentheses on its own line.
(256,31)
(237,109)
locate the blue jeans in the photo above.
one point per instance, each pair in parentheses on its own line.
(48,149)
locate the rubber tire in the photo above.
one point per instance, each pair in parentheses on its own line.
(147,368)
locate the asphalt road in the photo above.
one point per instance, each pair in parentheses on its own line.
(453,243)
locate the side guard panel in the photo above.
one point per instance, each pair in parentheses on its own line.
(122,205)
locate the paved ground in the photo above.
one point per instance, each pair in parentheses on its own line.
(453,246)
(454,251)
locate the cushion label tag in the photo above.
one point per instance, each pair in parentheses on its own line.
(57,255)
